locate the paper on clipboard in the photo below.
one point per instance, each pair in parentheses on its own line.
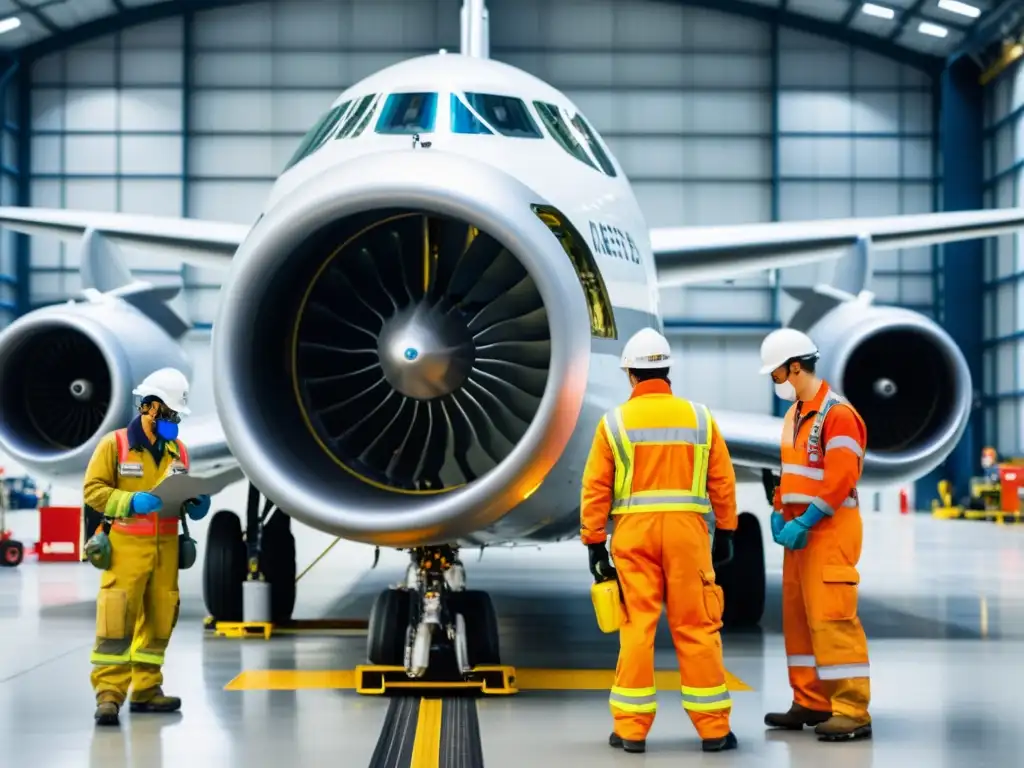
(175,490)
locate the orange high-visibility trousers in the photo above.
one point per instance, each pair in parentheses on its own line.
(826,648)
(665,558)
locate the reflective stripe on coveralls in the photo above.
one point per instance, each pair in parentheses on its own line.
(825,643)
(654,457)
(137,605)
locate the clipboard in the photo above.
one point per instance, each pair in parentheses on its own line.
(175,490)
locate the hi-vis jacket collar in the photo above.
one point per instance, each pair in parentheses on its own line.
(137,440)
(814,404)
(651,387)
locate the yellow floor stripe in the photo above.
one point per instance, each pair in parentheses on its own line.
(291,680)
(526,680)
(426,749)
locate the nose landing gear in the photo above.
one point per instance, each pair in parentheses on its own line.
(431,627)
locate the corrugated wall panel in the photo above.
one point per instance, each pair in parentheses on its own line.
(1003,385)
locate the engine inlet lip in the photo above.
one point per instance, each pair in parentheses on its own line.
(433,182)
(951,427)
(21,332)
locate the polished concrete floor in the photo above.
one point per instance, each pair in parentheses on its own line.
(942,601)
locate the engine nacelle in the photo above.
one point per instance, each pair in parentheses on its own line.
(908,380)
(402,349)
(66,378)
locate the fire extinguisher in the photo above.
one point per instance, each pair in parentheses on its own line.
(904,502)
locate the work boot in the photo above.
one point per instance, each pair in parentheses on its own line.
(106,712)
(154,700)
(844,728)
(720,745)
(617,742)
(797,717)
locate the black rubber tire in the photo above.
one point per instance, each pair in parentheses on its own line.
(481,626)
(224,567)
(743,580)
(12,553)
(389,621)
(277,561)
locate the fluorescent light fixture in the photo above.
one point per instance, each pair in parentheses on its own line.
(9,24)
(878,10)
(964,9)
(927,28)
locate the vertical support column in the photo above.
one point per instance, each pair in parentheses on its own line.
(778,406)
(962,141)
(23,256)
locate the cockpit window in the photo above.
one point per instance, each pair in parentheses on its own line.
(562,133)
(357,119)
(464,121)
(596,149)
(505,114)
(408,113)
(318,134)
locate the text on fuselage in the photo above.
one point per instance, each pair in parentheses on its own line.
(614,242)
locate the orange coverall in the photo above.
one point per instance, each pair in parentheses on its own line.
(659,465)
(823,444)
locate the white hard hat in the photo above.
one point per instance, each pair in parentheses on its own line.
(785,344)
(170,385)
(646,349)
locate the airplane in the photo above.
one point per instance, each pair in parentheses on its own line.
(419,334)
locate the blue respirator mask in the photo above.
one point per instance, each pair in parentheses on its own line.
(166,430)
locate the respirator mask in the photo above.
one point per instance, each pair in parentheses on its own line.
(785,391)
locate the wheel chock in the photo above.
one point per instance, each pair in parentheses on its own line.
(238,629)
(372,680)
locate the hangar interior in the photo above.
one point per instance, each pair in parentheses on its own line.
(721,112)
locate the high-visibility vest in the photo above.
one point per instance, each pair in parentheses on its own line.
(164,522)
(803,459)
(694,431)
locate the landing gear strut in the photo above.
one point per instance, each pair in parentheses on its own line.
(432,625)
(265,552)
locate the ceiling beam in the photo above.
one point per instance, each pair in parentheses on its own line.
(901,25)
(37,14)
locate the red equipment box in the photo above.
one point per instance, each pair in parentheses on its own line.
(1011,480)
(60,535)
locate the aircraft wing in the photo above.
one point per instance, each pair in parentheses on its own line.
(208,452)
(699,254)
(196,242)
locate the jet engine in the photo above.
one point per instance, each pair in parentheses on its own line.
(906,377)
(403,347)
(66,376)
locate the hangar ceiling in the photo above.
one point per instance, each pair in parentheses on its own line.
(930,29)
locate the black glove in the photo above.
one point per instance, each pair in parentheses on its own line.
(600,564)
(722,549)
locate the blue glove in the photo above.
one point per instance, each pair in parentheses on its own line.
(144,503)
(794,533)
(197,508)
(777,524)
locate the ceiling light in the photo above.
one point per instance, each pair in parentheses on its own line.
(878,10)
(955,6)
(10,23)
(927,28)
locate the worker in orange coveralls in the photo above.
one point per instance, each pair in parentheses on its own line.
(817,520)
(660,467)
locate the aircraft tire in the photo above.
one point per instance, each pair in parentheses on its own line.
(277,560)
(389,620)
(224,567)
(481,626)
(743,580)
